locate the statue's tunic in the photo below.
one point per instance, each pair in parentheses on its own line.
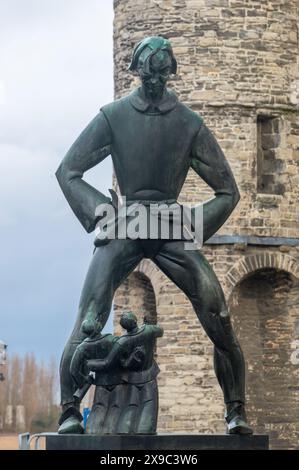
(152,149)
(149,155)
(99,347)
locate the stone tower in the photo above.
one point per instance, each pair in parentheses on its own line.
(238,68)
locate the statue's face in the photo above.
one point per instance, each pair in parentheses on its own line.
(154,70)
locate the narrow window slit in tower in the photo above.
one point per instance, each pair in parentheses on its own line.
(269,166)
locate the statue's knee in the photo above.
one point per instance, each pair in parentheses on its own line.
(220,315)
(231,341)
(225,320)
(225,314)
(225,338)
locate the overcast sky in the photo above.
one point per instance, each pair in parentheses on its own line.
(55,72)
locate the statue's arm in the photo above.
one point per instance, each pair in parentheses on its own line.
(105,364)
(91,147)
(209,162)
(158,331)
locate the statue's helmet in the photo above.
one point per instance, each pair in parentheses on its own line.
(128,321)
(154,44)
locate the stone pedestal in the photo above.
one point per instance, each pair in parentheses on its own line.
(157,442)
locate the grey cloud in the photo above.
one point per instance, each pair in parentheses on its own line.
(56,68)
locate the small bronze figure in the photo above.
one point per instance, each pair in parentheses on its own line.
(127,403)
(95,345)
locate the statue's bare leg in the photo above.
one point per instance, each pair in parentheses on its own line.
(191,272)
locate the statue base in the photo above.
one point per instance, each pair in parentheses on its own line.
(157,442)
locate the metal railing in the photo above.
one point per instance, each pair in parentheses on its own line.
(26,440)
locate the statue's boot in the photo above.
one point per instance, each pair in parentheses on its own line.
(236,419)
(70,421)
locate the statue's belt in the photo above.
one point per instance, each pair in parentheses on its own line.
(150,202)
(165,219)
(126,376)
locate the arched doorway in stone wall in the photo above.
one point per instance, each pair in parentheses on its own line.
(141,299)
(265,313)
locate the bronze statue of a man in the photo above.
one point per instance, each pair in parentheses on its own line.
(153,139)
